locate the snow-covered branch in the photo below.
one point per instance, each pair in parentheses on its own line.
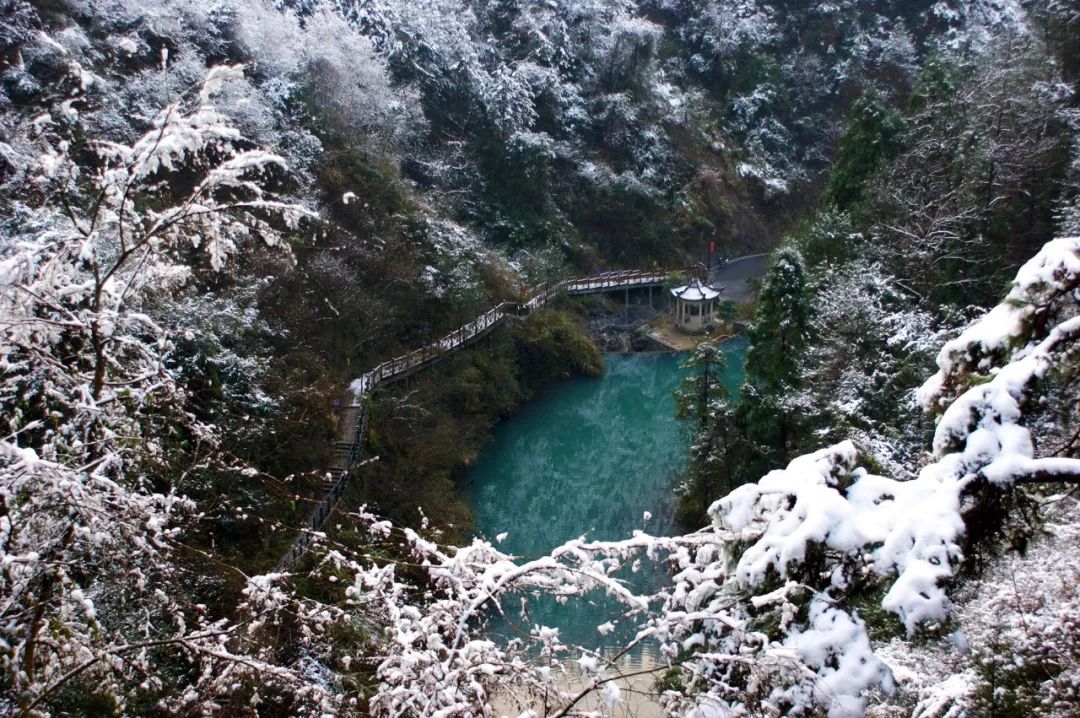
(94,410)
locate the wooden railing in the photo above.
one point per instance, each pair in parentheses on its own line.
(407,363)
(608,281)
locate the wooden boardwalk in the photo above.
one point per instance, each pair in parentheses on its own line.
(402,366)
(613,281)
(352,419)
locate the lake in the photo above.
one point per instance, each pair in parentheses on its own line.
(588,457)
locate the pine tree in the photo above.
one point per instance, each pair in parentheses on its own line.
(781,325)
(704,401)
(778,340)
(735,441)
(703,386)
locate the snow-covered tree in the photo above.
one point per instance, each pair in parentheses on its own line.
(871,139)
(704,385)
(126,196)
(872,344)
(976,171)
(94,414)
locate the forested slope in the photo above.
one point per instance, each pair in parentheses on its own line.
(215,215)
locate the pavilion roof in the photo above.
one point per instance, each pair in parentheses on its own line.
(695,291)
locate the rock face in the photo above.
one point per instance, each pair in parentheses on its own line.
(621,329)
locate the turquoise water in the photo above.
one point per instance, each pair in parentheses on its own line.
(589,457)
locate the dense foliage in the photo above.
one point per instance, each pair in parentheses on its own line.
(214,215)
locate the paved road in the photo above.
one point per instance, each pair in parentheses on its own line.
(733,276)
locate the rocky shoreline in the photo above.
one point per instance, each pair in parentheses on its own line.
(620,329)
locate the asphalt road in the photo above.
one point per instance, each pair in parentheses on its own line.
(731,279)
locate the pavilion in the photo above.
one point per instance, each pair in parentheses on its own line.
(695,306)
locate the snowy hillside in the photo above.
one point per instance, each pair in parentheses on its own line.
(214,216)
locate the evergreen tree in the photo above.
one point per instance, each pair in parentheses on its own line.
(778,339)
(703,386)
(704,401)
(871,139)
(737,441)
(780,330)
